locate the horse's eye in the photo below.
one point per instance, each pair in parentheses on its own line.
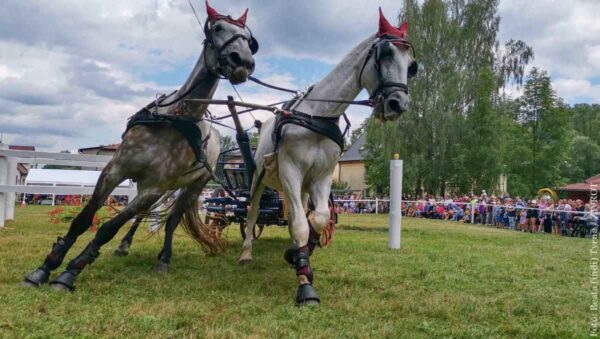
(218,28)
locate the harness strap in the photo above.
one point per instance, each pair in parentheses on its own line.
(186,126)
(326,126)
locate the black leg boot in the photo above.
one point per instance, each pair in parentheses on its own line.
(66,280)
(53,260)
(306,295)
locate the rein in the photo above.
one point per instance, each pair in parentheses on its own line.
(369,102)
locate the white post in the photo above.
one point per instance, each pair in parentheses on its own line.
(11,179)
(53,197)
(376,205)
(472,213)
(3,177)
(395,202)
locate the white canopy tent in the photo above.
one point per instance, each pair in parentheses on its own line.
(61,177)
(65,178)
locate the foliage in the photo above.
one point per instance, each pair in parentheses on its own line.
(449,280)
(543,130)
(340,186)
(66,214)
(227,143)
(462,132)
(455,41)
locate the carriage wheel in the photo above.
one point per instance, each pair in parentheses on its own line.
(258,229)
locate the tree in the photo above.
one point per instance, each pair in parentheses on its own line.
(543,134)
(227,143)
(584,159)
(456,42)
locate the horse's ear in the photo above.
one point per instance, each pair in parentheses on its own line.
(403,28)
(385,28)
(211,12)
(242,19)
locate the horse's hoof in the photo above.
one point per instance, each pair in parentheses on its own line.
(61,288)
(36,278)
(244,262)
(122,250)
(308,303)
(119,253)
(307,296)
(65,282)
(161,267)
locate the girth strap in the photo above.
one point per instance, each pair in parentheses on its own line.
(186,126)
(326,126)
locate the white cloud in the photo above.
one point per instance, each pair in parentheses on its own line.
(70,71)
(565,36)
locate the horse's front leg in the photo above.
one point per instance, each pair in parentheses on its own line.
(319,218)
(298,254)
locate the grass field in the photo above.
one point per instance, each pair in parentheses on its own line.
(449,280)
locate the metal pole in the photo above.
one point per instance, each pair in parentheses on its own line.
(472,213)
(395,202)
(11,179)
(376,205)
(3,177)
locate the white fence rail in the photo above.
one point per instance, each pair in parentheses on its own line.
(9,159)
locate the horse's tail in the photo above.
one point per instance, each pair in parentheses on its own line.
(208,236)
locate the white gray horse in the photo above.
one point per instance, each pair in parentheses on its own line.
(159,154)
(302,164)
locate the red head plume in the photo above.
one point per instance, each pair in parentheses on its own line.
(385,28)
(211,12)
(213,16)
(242,19)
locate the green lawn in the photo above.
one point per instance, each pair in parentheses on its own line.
(449,280)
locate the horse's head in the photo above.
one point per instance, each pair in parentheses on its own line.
(229,46)
(389,64)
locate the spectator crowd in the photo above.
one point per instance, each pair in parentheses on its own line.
(562,217)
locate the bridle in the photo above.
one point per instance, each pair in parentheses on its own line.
(209,42)
(382,83)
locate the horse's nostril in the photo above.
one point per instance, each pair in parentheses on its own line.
(236,59)
(394,105)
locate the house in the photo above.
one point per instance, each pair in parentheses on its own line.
(22,169)
(351,167)
(100,150)
(582,190)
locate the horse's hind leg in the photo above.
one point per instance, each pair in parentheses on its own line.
(123,248)
(65,281)
(109,179)
(183,202)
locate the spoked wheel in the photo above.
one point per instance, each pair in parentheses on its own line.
(258,229)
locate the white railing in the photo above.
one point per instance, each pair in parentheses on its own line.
(8,177)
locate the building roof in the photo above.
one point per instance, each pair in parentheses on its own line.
(583,186)
(111,147)
(21,148)
(353,153)
(62,177)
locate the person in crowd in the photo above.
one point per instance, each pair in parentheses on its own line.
(565,217)
(523,220)
(511,213)
(532,215)
(481,209)
(548,214)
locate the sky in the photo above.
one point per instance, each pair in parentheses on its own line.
(72,72)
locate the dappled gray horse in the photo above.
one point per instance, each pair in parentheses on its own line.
(167,146)
(299,150)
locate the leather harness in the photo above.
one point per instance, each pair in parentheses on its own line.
(186,126)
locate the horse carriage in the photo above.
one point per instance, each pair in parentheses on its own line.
(230,205)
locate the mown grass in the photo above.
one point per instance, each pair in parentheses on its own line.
(449,280)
